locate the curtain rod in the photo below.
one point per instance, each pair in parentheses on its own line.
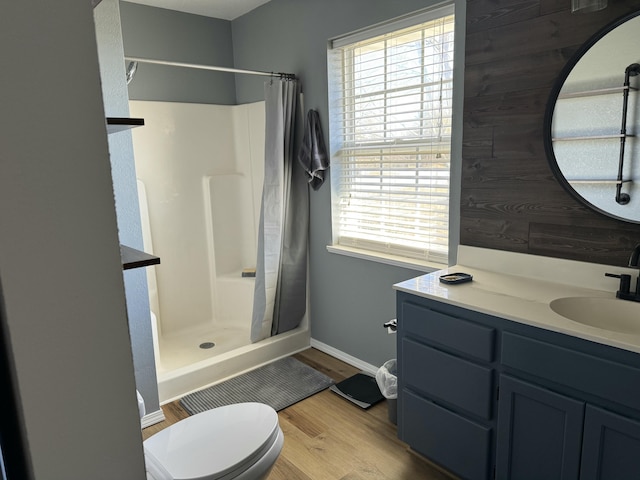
(210,67)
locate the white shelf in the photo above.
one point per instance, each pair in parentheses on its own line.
(592,137)
(604,182)
(596,92)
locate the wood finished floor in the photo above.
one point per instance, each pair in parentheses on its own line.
(326,437)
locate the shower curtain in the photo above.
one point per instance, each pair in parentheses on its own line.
(279,301)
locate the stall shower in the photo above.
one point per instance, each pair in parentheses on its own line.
(200,171)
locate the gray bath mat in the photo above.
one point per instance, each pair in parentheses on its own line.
(278,384)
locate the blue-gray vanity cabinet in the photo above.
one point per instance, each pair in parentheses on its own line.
(446,384)
(595,379)
(611,446)
(539,433)
(543,434)
(445,437)
(485,397)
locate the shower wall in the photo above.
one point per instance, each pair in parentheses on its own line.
(201,168)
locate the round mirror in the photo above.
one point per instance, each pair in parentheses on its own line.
(592,120)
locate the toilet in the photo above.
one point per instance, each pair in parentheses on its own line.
(240,441)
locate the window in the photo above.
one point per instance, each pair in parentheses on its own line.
(391,107)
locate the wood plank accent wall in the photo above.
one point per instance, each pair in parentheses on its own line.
(510,199)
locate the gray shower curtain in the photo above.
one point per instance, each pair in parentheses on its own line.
(279,302)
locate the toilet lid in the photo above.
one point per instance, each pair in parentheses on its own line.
(213,444)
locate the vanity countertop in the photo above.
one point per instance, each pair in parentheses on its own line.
(524,299)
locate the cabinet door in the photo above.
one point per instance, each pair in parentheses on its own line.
(611,446)
(446,438)
(539,433)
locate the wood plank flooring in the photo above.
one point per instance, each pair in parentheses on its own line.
(326,437)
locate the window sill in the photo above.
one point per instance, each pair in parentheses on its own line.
(413,264)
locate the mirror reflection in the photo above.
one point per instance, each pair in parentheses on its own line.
(595,120)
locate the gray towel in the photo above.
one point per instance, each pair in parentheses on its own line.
(313,154)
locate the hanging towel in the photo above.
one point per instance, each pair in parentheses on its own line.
(313,154)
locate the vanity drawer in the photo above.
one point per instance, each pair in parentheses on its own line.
(446,438)
(447,378)
(581,371)
(461,335)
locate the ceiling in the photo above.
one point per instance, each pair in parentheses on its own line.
(224,9)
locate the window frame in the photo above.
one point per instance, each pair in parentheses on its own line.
(400,23)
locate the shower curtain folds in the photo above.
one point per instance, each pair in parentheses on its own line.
(279,302)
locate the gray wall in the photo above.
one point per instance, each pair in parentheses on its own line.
(350,298)
(161,34)
(59,254)
(116,104)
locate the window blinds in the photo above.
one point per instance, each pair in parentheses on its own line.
(391,107)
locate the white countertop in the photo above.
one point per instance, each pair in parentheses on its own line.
(499,288)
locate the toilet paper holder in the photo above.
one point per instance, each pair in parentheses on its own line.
(391,325)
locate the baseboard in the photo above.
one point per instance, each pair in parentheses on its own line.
(152,418)
(334,352)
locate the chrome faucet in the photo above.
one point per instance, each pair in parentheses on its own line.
(625,280)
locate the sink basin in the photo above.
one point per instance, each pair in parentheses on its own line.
(606,313)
